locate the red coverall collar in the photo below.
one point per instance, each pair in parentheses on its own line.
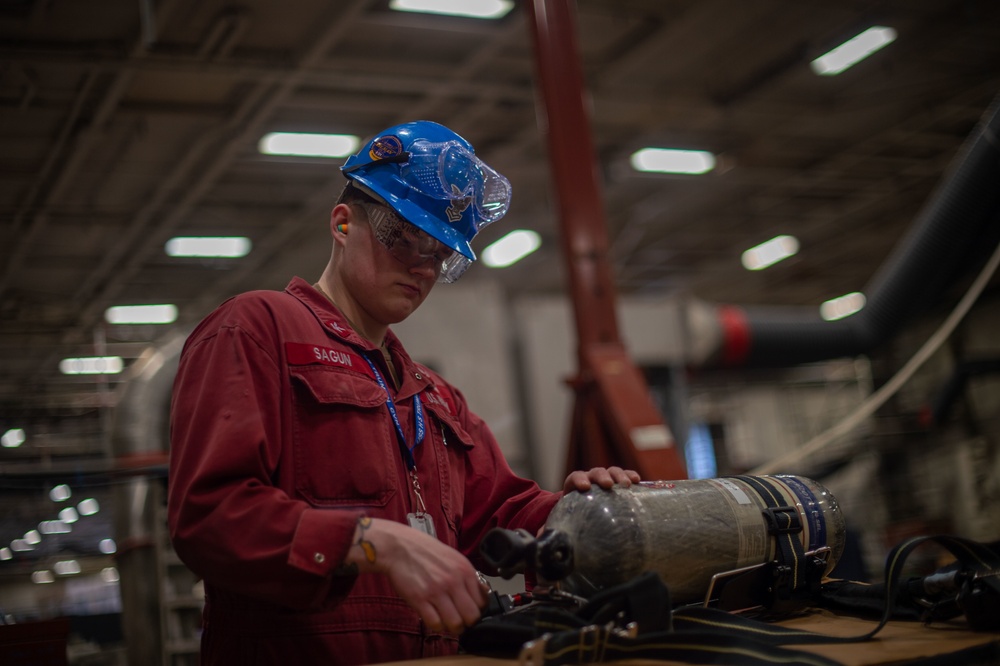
(414,380)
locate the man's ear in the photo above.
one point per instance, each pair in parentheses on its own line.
(340,218)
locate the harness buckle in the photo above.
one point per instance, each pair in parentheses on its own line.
(782,520)
(533,652)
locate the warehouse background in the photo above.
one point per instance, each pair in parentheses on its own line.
(125,123)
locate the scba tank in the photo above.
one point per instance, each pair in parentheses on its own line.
(687,531)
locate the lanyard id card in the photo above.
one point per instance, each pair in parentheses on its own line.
(419,519)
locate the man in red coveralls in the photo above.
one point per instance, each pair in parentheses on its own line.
(329,489)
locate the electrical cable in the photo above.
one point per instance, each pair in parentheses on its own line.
(786,463)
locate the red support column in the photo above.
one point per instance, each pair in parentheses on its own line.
(614,418)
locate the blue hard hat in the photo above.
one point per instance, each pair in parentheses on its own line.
(431,176)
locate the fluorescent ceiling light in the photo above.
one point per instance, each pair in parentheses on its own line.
(671,160)
(20,546)
(67,567)
(842,306)
(60,493)
(854,50)
(88,507)
(34,537)
(54,527)
(6,553)
(94,365)
(13,438)
(208,246)
(512,248)
(141,314)
(107,546)
(109,575)
(770,252)
(69,515)
(43,576)
(308,145)
(483,9)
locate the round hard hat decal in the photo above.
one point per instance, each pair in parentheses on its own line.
(385,147)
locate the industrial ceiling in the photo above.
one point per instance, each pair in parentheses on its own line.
(128,122)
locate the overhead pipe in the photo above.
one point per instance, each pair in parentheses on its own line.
(953,232)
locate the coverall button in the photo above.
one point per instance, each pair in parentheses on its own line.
(320,558)
(417,375)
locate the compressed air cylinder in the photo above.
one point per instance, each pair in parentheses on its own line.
(687,531)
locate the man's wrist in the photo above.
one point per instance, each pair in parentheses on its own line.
(368,548)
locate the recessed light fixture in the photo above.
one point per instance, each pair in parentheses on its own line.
(92,365)
(673,160)
(842,306)
(88,507)
(54,527)
(67,567)
(853,51)
(141,314)
(13,438)
(770,252)
(300,144)
(208,246)
(43,576)
(512,248)
(483,9)
(60,493)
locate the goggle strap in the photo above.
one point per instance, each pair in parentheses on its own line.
(402,158)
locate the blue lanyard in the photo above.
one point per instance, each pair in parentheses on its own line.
(418,418)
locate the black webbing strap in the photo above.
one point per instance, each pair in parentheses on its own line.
(784,523)
(595,644)
(635,621)
(629,621)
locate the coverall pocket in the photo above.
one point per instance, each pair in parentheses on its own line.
(345,446)
(451,463)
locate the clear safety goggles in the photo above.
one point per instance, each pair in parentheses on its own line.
(450,171)
(411,246)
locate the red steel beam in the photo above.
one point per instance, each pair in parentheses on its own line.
(614,418)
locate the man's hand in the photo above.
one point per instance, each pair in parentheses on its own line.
(436,580)
(603,477)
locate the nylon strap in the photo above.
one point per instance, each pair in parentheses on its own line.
(595,644)
(700,635)
(610,628)
(785,525)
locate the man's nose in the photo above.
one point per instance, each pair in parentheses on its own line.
(430,267)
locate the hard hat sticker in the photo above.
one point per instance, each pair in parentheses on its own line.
(385,147)
(457,207)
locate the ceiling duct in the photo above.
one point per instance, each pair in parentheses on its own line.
(953,234)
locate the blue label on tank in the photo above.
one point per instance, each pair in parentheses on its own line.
(812,509)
